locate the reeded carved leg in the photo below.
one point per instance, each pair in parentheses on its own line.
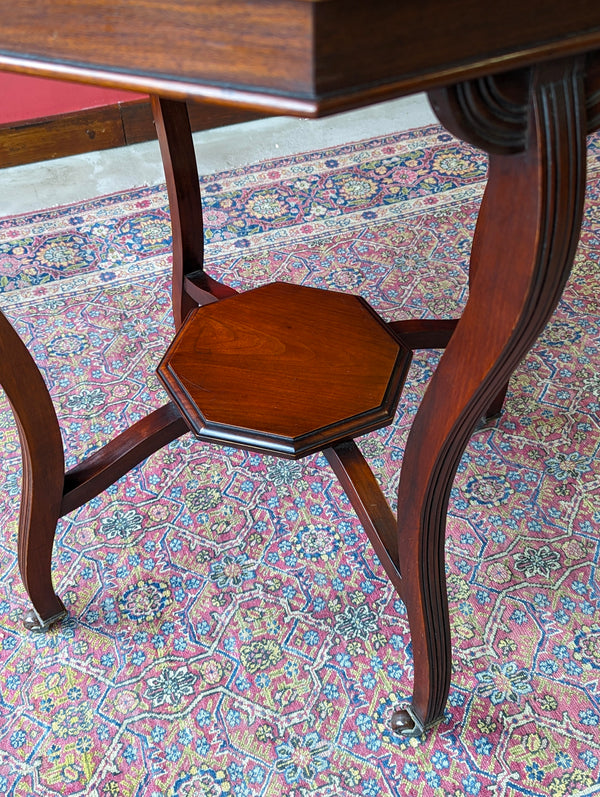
(532,124)
(43,475)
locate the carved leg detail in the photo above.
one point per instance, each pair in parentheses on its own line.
(43,475)
(524,245)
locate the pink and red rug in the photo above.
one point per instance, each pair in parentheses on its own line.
(231,632)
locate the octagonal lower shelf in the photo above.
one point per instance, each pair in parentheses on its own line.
(285,369)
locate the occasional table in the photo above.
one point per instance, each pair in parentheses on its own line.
(520,80)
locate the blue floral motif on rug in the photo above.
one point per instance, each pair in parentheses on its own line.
(230,631)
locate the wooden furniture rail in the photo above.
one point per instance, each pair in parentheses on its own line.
(521,80)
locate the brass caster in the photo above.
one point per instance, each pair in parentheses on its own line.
(34,623)
(405,723)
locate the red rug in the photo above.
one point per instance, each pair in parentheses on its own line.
(231,631)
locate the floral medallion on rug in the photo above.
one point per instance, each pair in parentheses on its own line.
(230,631)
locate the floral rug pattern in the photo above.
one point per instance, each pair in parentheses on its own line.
(230,631)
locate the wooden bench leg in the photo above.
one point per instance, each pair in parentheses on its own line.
(533,124)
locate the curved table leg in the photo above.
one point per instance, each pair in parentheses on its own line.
(43,475)
(533,124)
(47,491)
(191,286)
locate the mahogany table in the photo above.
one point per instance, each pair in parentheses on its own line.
(520,79)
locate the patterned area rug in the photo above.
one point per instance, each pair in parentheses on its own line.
(231,631)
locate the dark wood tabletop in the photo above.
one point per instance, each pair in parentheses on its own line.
(296,56)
